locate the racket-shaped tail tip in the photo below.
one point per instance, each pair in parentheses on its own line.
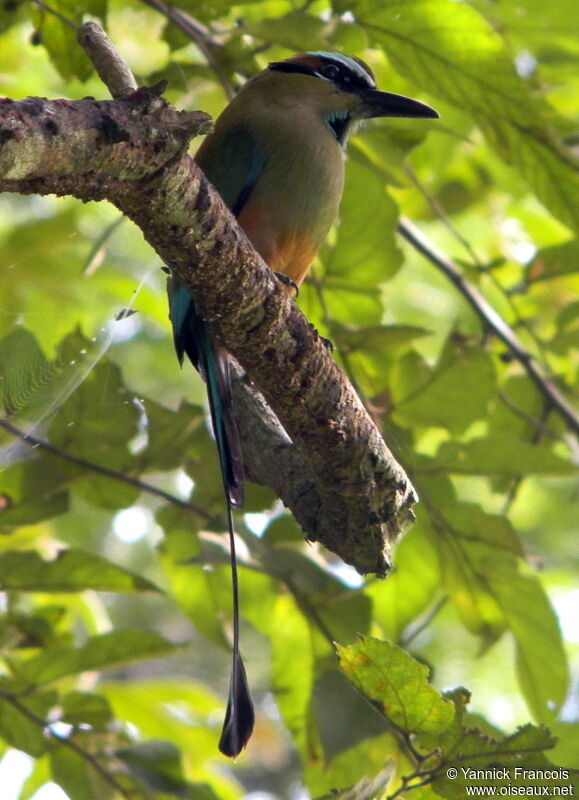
(240,716)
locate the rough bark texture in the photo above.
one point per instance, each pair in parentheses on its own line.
(352,495)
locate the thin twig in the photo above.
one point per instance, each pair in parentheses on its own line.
(407,788)
(538,425)
(309,610)
(199,34)
(492,320)
(539,430)
(476,261)
(89,265)
(111,68)
(67,742)
(55,13)
(42,444)
(424,624)
(440,211)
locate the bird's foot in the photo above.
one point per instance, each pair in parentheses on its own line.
(329,345)
(288,282)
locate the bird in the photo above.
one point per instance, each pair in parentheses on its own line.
(276,156)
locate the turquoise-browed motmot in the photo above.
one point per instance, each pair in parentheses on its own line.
(276,156)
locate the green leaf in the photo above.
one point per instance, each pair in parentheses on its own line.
(39,775)
(205,594)
(98,653)
(350,766)
(398,684)
(157,764)
(541,660)
(257,499)
(45,284)
(292,673)
(199,701)
(549,170)
(98,419)
(281,530)
(462,738)
(408,591)
(106,492)
(516,761)
(22,721)
(470,544)
(71,571)
(428,45)
(501,454)
(296,30)
(365,789)
(76,774)
(72,774)
(208,10)
(202,465)
(365,252)
(181,528)
(372,351)
(538,27)
(202,595)
(31,492)
(383,147)
(343,725)
(84,708)
(344,613)
(566,733)
(185,713)
(168,427)
(512,411)
(39,629)
(467,752)
(478,558)
(10,14)
(552,262)
(381,341)
(443,397)
(24,370)
(60,38)
(567,337)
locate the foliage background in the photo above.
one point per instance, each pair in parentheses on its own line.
(116,607)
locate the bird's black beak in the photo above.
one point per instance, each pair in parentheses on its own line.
(385,104)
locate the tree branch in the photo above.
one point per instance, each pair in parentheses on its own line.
(492,321)
(111,68)
(132,152)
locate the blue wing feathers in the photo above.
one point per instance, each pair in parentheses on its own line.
(191,337)
(233,162)
(180,306)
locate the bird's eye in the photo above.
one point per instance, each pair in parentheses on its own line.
(331,71)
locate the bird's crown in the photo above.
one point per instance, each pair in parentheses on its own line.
(346,72)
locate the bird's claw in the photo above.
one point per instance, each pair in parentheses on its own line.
(287,282)
(328,344)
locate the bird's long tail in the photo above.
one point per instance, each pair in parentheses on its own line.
(213,365)
(193,338)
(239,716)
